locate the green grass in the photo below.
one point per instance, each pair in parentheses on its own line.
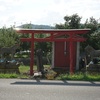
(24,69)
(79,76)
(24,73)
(7,75)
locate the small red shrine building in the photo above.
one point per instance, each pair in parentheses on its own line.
(65,43)
(61,54)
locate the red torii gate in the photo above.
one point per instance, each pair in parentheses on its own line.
(72,33)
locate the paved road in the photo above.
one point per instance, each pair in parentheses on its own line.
(24,89)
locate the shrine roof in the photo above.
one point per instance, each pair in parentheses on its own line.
(52,31)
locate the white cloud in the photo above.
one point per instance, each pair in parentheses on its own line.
(2,8)
(45,11)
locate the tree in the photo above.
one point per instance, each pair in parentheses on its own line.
(71,22)
(93,35)
(8,37)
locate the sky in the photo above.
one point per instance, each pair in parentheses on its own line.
(45,12)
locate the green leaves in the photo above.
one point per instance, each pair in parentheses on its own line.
(8,37)
(71,22)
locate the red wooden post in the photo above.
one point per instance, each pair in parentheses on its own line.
(71,54)
(71,58)
(32,55)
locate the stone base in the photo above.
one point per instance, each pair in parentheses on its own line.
(93,68)
(9,67)
(9,71)
(61,70)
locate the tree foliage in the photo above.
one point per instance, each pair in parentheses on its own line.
(8,37)
(71,22)
(92,38)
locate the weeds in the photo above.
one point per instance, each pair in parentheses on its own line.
(79,76)
(7,75)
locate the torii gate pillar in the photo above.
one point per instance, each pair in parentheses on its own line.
(32,55)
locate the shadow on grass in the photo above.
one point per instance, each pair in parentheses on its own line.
(56,83)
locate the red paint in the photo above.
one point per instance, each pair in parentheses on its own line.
(32,55)
(65,61)
(72,33)
(61,59)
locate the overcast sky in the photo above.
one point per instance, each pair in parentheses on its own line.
(46,12)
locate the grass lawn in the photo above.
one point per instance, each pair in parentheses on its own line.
(24,70)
